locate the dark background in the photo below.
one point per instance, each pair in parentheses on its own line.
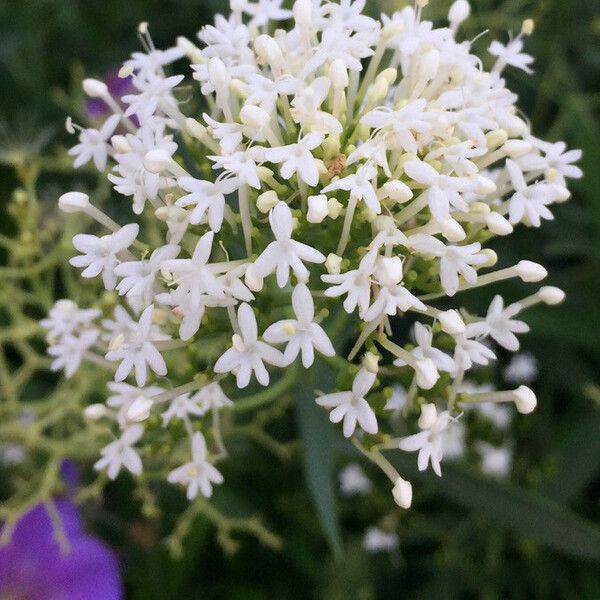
(535,537)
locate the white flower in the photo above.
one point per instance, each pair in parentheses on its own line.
(359,185)
(93,144)
(181,407)
(139,276)
(376,540)
(248,354)
(285,253)
(511,54)
(69,351)
(352,406)
(425,350)
(306,105)
(124,395)
(297,158)
(356,284)
(522,368)
(263,11)
(454,260)
(198,474)
(353,480)
(121,454)
(206,197)
(99,254)
(529,201)
(429,442)
(155,91)
(65,317)
(211,397)
(242,164)
(500,325)
(496,462)
(301,334)
(468,352)
(137,351)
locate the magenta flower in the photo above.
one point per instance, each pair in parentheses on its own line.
(33,567)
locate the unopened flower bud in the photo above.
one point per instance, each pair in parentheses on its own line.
(252,280)
(157,161)
(333,264)
(498,224)
(317,208)
(451,322)
(334,208)
(93,412)
(551,295)
(371,362)
(452,230)
(459,12)
(139,409)
(516,148)
(402,492)
(266,201)
(525,400)
(427,373)
(428,416)
(217,73)
(429,65)
(389,270)
(73,202)
(95,88)
(397,190)
(530,272)
(120,144)
(492,257)
(338,73)
(496,138)
(195,128)
(528,27)
(254,116)
(268,50)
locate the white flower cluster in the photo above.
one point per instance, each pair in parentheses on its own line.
(342,157)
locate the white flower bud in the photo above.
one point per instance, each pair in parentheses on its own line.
(530,272)
(139,409)
(371,362)
(452,230)
(317,208)
(334,208)
(266,201)
(95,88)
(459,12)
(195,128)
(516,148)
(491,256)
(217,73)
(388,270)
(237,6)
(525,400)
(389,75)
(338,73)
(498,224)
(120,144)
(333,264)
(268,50)
(427,373)
(93,412)
(528,26)
(162,213)
(428,416)
(252,280)
(551,295)
(496,138)
(303,13)
(254,116)
(562,193)
(429,64)
(157,161)
(402,492)
(73,202)
(451,322)
(486,186)
(397,190)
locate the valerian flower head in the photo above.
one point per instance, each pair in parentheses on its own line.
(335,185)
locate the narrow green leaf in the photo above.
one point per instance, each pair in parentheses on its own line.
(526,513)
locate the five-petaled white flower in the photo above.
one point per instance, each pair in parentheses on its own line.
(301,334)
(285,253)
(137,351)
(93,144)
(248,354)
(352,406)
(99,254)
(297,158)
(120,453)
(198,474)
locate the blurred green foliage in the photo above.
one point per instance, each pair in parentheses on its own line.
(467,537)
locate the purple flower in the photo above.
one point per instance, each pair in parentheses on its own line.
(33,567)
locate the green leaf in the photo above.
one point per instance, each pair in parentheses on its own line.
(318,435)
(526,513)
